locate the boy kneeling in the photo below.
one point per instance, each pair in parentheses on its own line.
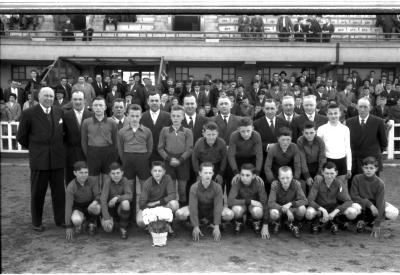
(116,196)
(205,203)
(368,190)
(82,201)
(158,190)
(287,199)
(328,200)
(247,195)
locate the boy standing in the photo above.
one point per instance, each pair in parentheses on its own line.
(99,140)
(245,146)
(368,190)
(248,196)
(287,199)
(205,204)
(116,196)
(329,201)
(82,201)
(135,145)
(175,147)
(336,137)
(210,148)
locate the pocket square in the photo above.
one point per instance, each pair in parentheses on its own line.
(60,121)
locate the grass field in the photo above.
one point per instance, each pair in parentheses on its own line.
(24,251)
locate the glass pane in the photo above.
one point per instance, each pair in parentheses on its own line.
(14,144)
(178,70)
(14,130)
(5,143)
(185,70)
(4,130)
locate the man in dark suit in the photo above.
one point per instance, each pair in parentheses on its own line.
(356,81)
(60,100)
(252,93)
(288,113)
(99,86)
(41,131)
(367,136)
(111,96)
(21,95)
(310,114)
(137,90)
(195,123)
(284,27)
(155,120)
(227,123)
(268,126)
(328,28)
(72,133)
(63,85)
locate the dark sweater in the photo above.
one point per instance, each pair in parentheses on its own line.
(368,191)
(153,191)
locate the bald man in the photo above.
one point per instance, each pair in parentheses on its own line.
(367,136)
(41,131)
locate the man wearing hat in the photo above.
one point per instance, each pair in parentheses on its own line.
(197,94)
(60,100)
(137,90)
(282,77)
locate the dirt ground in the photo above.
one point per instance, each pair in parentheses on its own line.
(23,251)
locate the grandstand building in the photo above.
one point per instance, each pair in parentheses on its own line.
(183,45)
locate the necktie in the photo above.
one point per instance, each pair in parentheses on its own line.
(271,125)
(79,117)
(49,116)
(226,120)
(310,118)
(362,124)
(100,86)
(191,123)
(289,119)
(120,124)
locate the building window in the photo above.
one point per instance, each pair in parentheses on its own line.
(389,74)
(181,73)
(18,72)
(341,76)
(265,74)
(228,73)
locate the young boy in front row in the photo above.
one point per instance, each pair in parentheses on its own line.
(175,147)
(248,196)
(82,201)
(329,201)
(116,197)
(158,190)
(287,199)
(205,204)
(368,190)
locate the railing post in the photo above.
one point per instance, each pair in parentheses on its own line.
(390,149)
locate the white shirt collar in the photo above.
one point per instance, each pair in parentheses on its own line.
(365,119)
(118,120)
(227,116)
(269,120)
(155,113)
(188,117)
(312,116)
(44,108)
(78,112)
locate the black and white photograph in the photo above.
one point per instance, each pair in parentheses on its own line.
(192,136)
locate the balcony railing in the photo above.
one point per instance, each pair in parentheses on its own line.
(201,36)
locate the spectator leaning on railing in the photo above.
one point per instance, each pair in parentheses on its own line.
(284,27)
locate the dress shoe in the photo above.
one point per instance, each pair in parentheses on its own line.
(39,228)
